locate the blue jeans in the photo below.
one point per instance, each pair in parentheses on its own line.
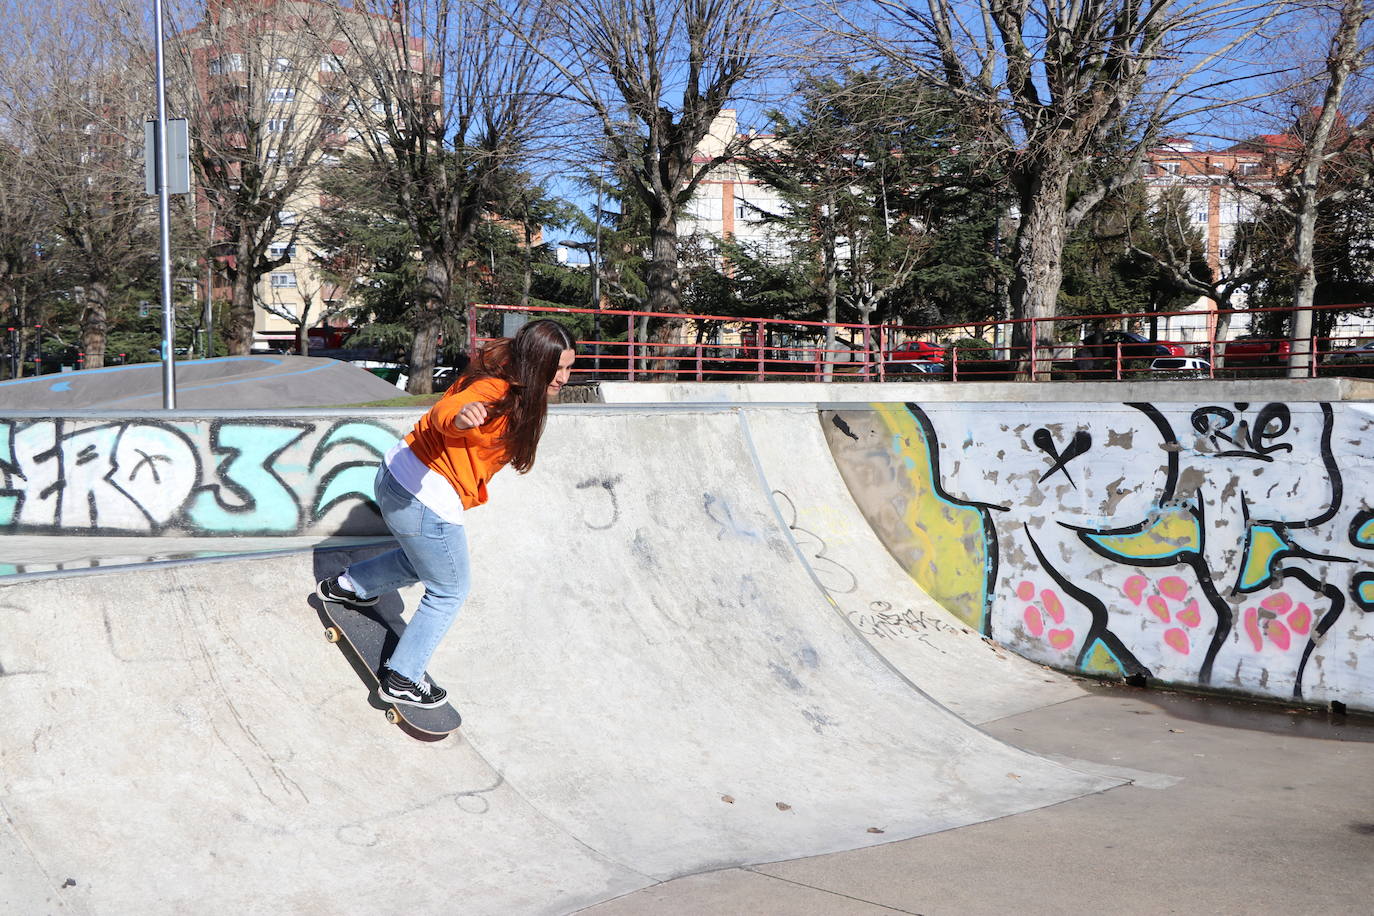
(433,552)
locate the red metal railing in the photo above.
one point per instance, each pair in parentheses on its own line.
(719,347)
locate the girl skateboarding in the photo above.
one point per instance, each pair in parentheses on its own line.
(493,415)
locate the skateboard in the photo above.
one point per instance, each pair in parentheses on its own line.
(371,634)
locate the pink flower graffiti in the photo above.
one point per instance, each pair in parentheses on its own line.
(1050,606)
(1277,620)
(1168,592)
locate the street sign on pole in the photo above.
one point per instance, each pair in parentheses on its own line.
(178,157)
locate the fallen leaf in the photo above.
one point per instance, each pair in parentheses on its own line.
(1013,775)
(728,799)
(876,830)
(783,806)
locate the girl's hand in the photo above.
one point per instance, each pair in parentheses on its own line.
(471,415)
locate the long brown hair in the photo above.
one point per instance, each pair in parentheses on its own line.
(528,362)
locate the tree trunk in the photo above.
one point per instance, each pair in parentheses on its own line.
(1300,351)
(424,346)
(242,317)
(830,273)
(94,324)
(1037,260)
(1343,57)
(665,292)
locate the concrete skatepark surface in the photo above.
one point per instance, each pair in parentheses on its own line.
(673,702)
(231,381)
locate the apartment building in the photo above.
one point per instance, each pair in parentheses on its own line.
(278,112)
(1221,191)
(730,203)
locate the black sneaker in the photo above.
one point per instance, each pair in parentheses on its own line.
(397,689)
(331,590)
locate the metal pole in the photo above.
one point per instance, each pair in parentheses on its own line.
(169,381)
(209,349)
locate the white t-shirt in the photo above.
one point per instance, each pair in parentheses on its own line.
(428,486)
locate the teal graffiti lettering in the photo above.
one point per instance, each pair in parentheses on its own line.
(266,502)
(9,499)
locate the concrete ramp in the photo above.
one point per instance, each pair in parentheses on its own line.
(656,677)
(234,382)
(935,651)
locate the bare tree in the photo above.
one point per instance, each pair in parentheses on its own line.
(444,100)
(1071,96)
(653,75)
(1323,135)
(24,233)
(75,106)
(250,76)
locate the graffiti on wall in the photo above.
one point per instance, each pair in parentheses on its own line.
(200,477)
(1228,545)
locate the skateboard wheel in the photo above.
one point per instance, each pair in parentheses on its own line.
(332,634)
(393,716)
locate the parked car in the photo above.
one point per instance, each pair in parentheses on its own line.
(909,367)
(1256,350)
(1362,352)
(1181,366)
(1138,346)
(917,349)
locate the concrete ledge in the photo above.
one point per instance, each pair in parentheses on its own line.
(1253,390)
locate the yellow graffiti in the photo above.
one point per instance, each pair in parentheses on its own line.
(1263,544)
(1100,660)
(948,556)
(1167,533)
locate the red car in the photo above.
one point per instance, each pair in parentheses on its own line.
(917,349)
(1254,350)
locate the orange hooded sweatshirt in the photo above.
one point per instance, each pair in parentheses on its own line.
(466,458)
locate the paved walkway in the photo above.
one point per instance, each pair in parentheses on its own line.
(1244,809)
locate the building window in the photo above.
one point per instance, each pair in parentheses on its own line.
(284,280)
(1249,168)
(288,217)
(1199,217)
(278,125)
(282,65)
(277,250)
(1170,168)
(279,94)
(330,64)
(216,66)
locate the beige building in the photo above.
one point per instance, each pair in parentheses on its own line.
(271,80)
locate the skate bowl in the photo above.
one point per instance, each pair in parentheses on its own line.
(663,671)
(700,636)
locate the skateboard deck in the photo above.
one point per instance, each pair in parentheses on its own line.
(371,634)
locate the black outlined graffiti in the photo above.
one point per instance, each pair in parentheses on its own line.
(1099,630)
(883,621)
(991,543)
(1080,443)
(833,576)
(194,477)
(1237,516)
(1245,438)
(608,485)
